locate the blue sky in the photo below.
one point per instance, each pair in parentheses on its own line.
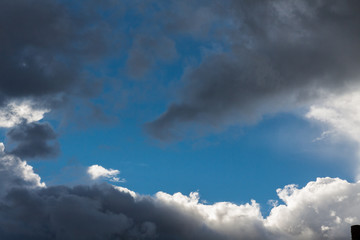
(251,105)
(236,165)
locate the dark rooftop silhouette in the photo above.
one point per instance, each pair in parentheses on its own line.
(355,232)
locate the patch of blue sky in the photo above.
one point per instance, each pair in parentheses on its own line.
(237,165)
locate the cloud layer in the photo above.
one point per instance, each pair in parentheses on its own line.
(275,56)
(256,57)
(323,209)
(16,173)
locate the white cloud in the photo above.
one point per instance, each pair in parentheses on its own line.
(15,172)
(323,209)
(341,115)
(17,111)
(228,219)
(125,190)
(97,171)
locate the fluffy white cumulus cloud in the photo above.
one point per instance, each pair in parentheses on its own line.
(97,171)
(15,172)
(323,209)
(224,218)
(16,112)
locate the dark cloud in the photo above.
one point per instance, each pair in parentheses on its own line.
(45,46)
(34,140)
(104,212)
(276,56)
(93,212)
(47,49)
(30,210)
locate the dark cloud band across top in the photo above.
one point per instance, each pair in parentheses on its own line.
(277,55)
(272,56)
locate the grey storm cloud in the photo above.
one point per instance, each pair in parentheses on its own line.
(33,140)
(30,210)
(46,44)
(267,57)
(45,49)
(276,55)
(92,212)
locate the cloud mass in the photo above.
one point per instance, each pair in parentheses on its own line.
(46,46)
(323,209)
(33,140)
(16,112)
(277,56)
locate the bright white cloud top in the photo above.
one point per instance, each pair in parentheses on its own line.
(15,172)
(323,209)
(97,172)
(341,115)
(17,111)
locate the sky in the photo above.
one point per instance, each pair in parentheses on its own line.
(231,119)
